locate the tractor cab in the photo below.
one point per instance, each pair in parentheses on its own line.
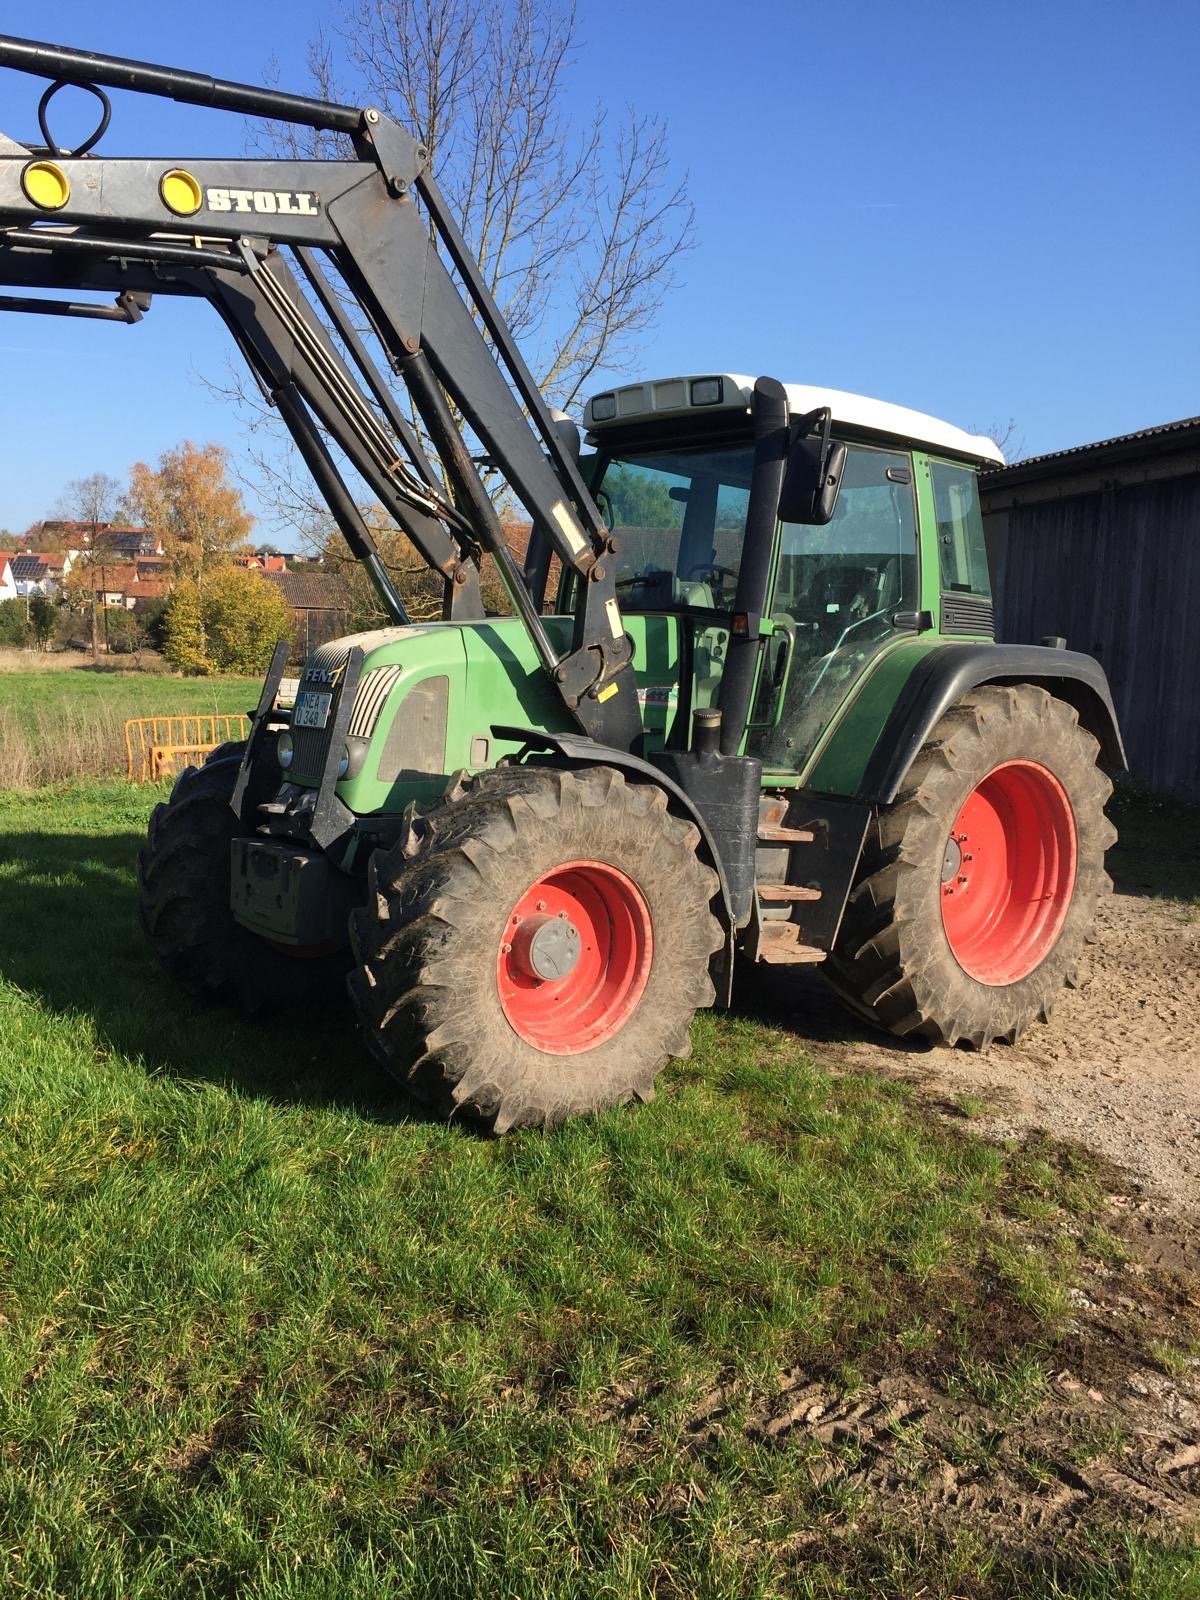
(672,477)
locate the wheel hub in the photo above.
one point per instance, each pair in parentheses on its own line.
(952,860)
(545,947)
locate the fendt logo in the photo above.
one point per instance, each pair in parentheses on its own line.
(265,202)
(324,677)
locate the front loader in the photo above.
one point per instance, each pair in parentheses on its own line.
(761,718)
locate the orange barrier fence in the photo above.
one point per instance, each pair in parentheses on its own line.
(155,747)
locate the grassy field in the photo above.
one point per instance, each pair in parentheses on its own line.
(57,722)
(265,1332)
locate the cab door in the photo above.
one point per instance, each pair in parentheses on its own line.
(842,593)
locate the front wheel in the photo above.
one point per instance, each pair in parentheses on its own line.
(540,951)
(183,896)
(979,886)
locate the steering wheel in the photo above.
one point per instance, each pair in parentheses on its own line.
(710,566)
(704,570)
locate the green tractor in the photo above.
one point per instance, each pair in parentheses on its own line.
(747,709)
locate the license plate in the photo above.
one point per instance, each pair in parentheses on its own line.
(312,709)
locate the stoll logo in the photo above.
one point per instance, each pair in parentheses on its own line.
(266,202)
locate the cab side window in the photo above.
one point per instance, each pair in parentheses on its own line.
(962,553)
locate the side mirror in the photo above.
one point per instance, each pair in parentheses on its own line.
(812,474)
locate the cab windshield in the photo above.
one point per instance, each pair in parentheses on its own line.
(679,517)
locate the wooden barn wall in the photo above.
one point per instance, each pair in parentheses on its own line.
(1117,572)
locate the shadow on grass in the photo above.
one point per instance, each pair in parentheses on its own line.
(798,1000)
(70,938)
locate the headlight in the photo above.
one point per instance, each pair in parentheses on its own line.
(344,763)
(284,749)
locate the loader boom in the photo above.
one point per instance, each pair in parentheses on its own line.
(377,250)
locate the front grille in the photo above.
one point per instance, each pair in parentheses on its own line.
(373,689)
(311,744)
(967,613)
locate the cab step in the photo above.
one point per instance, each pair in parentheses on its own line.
(781,946)
(779,835)
(787,892)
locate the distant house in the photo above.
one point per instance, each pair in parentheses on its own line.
(318,602)
(127,542)
(119,539)
(261,563)
(40,573)
(8,583)
(122,584)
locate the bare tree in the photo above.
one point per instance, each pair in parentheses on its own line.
(1006,438)
(576,228)
(92,500)
(577,224)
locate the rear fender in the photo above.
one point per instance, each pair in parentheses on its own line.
(943,676)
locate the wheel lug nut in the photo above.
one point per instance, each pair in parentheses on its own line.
(961,879)
(506,948)
(540,905)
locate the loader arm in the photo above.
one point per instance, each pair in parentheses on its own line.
(223,229)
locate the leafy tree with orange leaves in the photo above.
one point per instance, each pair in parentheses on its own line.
(194,509)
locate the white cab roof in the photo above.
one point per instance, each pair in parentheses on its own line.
(634,402)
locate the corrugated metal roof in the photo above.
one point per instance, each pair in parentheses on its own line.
(1119,439)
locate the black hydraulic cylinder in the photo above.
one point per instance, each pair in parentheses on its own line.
(194,88)
(754,576)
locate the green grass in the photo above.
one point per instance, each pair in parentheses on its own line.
(133,694)
(265,1332)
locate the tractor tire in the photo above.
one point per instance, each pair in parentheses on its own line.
(574,872)
(978,888)
(183,896)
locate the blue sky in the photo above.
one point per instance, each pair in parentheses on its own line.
(984,212)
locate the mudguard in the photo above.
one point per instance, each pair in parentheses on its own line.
(944,675)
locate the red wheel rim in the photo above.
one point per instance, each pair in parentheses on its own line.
(1009,873)
(612,954)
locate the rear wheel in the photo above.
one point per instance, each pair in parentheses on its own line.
(979,886)
(538,948)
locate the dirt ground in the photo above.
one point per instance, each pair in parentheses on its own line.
(1117,1069)
(1115,1434)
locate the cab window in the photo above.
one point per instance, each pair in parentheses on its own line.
(962,553)
(679,517)
(863,564)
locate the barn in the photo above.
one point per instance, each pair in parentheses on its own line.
(1100,544)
